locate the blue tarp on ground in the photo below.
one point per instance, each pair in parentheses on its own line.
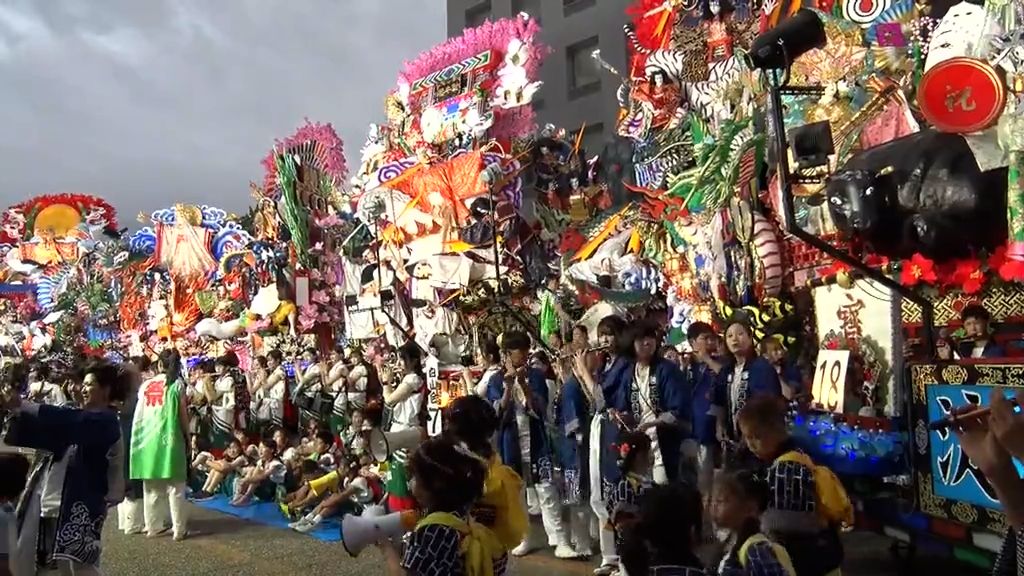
(269,514)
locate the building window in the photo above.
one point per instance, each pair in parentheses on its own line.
(570,7)
(478,14)
(584,77)
(531,7)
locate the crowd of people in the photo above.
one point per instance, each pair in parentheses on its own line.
(627,450)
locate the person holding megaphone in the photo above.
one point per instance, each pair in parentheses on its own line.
(447,479)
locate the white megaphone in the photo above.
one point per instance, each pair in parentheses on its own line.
(358,532)
(383,444)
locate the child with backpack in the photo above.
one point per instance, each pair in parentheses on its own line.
(807,505)
(471,421)
(447,479)
(737,504)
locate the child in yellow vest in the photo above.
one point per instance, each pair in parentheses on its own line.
(446,481)
(737,504)
(472,421)
(807,506)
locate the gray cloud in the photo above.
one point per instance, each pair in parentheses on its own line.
(149,103)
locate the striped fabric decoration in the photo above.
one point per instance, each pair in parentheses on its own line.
(634,41)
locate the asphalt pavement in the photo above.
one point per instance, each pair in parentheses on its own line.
(222,545)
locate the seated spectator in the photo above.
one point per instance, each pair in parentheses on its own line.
(347,491)
(217,470)
(296,502)
(263,479)
(285,448)
(353,438)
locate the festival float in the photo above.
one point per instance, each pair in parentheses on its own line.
(57,250)
(439,195)
(855,164)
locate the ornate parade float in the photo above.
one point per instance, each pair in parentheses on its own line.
(440,192)
(844,175)
(57,249)
(895,203)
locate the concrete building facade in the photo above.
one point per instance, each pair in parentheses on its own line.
(576,91)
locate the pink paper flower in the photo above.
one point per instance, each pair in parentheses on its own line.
(331,153)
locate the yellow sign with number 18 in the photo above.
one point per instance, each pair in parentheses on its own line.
(829,387)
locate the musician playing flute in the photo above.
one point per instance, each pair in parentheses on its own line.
(520,398)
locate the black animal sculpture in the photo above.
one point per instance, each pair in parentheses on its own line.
(920,193)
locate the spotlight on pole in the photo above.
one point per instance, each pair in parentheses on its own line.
(777,48)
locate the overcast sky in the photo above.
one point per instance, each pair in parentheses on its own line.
(151,102)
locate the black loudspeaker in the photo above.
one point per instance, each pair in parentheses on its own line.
(777,48)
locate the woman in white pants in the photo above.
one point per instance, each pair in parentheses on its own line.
(158,450)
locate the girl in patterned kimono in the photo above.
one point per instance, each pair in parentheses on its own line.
(653,398)
(90,439)
(744,376)
(740,499)
(447,540)
(624,501)
(520,398)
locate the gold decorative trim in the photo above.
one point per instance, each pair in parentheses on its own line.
(1002,301)
(954,374)
(997,521)
(965,513)
(920,375)
(930,503)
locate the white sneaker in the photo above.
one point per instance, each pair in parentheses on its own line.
(307,527)
(606,570)
(523,549)
(565,552)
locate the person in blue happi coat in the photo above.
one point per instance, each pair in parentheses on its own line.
(702,371)
(603,433)
(654,396)
(745,375)
(520,397)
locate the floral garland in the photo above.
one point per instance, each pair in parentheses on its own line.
(325,302)
(968,275)
(330,153)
